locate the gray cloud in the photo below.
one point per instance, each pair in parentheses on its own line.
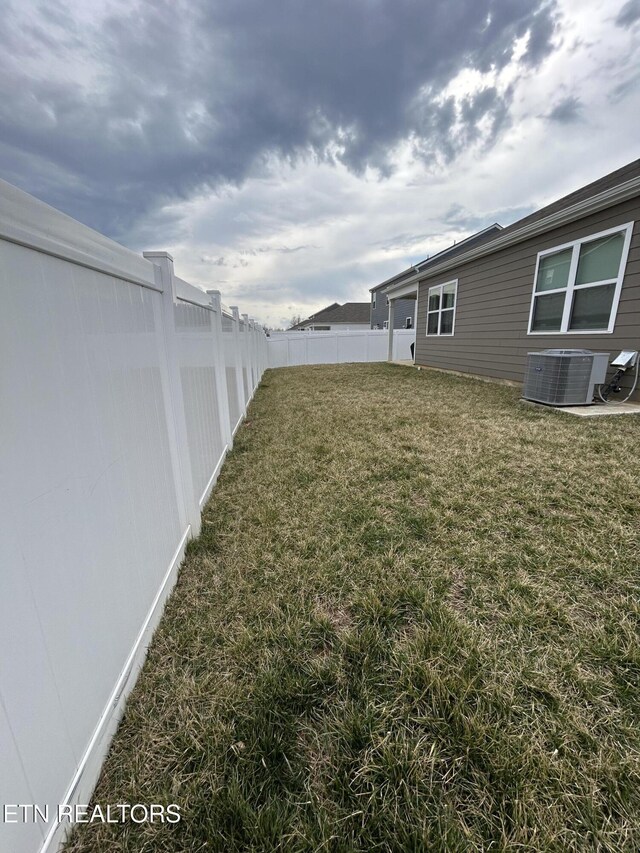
(401,242)
(566,111)
(276,250)
(628,14)
(164,99)
(541,32)
(469,223)
(619,92)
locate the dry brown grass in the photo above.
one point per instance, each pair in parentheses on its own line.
(410,623)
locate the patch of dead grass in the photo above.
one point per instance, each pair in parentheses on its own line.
(410,623)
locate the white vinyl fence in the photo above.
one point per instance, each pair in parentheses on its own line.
(289,349)
(121,387)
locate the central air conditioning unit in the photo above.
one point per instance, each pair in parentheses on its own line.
(564,377)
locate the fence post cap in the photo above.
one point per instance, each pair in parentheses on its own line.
(157,254)
(216,298)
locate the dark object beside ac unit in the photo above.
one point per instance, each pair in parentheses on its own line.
(564,377)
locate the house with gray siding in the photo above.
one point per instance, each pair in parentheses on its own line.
(404,315)
(566,276)
(402,311)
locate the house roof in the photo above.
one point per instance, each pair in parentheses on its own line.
(611,189)
(452,251)
(350,312)
(613,179)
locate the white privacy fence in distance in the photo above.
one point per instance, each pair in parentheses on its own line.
(290,349)
(121,387)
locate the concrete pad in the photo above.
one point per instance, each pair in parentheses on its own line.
(593,411)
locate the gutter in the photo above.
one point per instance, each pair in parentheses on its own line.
(608,198)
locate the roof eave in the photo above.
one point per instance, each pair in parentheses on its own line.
(399,277)
(393,278)
(608,198)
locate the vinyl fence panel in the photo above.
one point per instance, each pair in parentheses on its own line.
(278,351)
(204,395)
(288,349)
(115,420)
(89,500)
(402,340)
(352,348)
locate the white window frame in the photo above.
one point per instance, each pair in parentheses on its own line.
(575,246)
(438,310)
(385,324)
(408,323)
(374,301)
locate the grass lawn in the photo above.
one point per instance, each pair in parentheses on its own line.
(410,624)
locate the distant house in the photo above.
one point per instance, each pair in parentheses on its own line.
(567,276)
(405,311)
(351,315)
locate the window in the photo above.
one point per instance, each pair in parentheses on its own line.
(322,328)
(408,323)
(441,308)
(577,286)
(387,301)
(385,324)
(373,298)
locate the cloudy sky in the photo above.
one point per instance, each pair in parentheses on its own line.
(293,153)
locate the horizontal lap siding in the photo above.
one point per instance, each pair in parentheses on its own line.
(403,308)
(494,300)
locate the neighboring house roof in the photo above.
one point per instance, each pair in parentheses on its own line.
(452,251)
(331,307)
(313,317)
(350,312)
(612,189)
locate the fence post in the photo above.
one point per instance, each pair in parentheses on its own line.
(265,351)
(237,336)
(174,406)
(220,368)
(390,330)
(254,354)
(249,328)
(259,350)
(247,358)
